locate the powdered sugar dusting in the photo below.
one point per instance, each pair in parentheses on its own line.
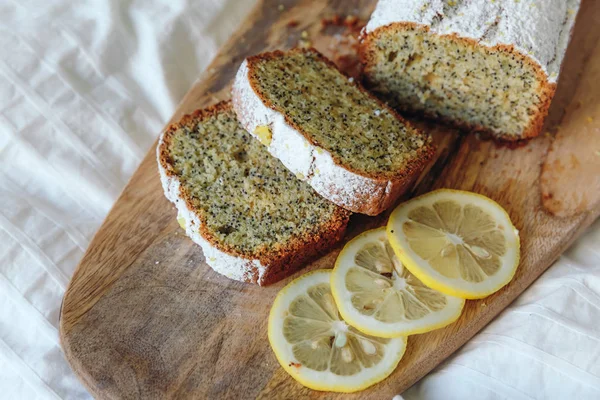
(232,267)
(310,163)
(342,186)
(539,29)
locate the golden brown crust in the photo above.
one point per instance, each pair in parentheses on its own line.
(367,56)
(423,155)
(278,263)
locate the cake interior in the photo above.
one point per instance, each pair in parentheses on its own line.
(248,200)
(335,114)
(451,79)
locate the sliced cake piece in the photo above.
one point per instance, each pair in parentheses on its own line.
(253,219)
(323,126)
(484,65)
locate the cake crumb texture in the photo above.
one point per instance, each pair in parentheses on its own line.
(243,201)
(334,114)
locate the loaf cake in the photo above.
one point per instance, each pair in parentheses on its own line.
(326,129)
(253,219)
(484,65)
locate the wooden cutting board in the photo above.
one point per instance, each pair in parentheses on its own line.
(145,317)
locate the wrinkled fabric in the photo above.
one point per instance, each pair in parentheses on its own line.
(85,87)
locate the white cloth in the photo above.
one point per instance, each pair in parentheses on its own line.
(85,87)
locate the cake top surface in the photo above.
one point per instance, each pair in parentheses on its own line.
(336,114)
(248,202)
(539,29)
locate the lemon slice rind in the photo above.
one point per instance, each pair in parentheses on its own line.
(323,380)
(432,278)
(369,325)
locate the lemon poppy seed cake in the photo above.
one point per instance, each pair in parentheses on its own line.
(253,219)
(484,65)
(326,129)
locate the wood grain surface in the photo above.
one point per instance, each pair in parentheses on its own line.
(145,317)
(574,156)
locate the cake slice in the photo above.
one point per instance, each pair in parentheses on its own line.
(487,66)
(253,219)
(326,129)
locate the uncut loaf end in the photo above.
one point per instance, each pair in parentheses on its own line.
(488,66)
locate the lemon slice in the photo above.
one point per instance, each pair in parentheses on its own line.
(317,348)
(459,243)
(378,296)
